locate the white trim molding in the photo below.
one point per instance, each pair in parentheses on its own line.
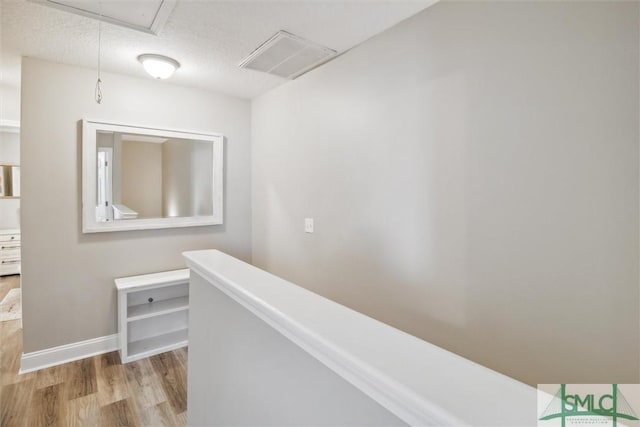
(90,224)
(54,356)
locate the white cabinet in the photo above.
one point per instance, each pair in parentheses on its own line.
(9,252)
(153,313)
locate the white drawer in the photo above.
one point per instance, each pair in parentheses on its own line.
(9,262)
(12,267)
(12,244)
(9,237)
(10,252)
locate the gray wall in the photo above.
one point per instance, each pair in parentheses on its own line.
(473,175)
(201,179)
(176,178)
(69,293)
(9,97)
(142,177)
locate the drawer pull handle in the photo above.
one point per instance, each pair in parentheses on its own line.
(150,300)
(9,247)
(13,261)
(13,237)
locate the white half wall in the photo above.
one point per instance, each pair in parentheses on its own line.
(473,176)
(68,289)
(243,372)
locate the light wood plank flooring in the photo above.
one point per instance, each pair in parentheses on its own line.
(98,391)
(7,283)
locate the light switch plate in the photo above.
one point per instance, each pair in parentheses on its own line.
(308,225)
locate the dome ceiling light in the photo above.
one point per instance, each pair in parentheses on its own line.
(158,66)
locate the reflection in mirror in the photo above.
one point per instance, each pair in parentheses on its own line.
(140,178)
(9,181)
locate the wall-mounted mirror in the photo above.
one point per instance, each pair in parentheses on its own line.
(137,178)
(9,181)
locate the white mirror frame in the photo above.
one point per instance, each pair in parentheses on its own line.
(89,179)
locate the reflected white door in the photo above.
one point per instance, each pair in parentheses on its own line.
(104,212)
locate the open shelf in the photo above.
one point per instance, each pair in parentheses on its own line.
(157,308)
(159,343)
(147,328)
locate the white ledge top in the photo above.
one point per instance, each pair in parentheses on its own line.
(419,382)
(162,278)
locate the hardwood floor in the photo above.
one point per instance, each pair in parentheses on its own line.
(98,391)
(7,283)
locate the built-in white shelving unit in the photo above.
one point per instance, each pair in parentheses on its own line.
(153,313)
(143,311)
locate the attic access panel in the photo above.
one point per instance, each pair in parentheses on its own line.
(147,16)
(287,55)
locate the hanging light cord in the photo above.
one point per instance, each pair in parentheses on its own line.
(98,92)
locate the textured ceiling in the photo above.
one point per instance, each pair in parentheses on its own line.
(209,38)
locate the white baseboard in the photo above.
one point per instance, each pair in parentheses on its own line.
(67,353)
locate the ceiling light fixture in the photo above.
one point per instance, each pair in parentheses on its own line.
(158,66)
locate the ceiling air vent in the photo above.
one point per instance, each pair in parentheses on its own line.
(287,55)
